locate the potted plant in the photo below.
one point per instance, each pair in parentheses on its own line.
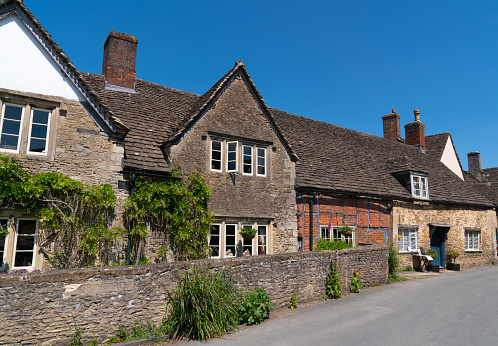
(346,231)
(248,233)
(452,256)
(433,254)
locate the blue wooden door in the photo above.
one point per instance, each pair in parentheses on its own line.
(437,243)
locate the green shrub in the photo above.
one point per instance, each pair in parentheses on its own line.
(355,285)
(333,282)
(76,337)
(293,301)
(255,307)
(409,268)
(393,260)
(203,305)
(324,244)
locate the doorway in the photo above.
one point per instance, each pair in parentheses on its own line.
(437,243)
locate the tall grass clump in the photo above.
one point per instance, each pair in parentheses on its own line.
(203,305)
(393,261)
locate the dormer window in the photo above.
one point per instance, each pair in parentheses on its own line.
(420,186)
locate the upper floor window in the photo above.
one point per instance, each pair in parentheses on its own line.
(420,186)
(225,156)
(24,124)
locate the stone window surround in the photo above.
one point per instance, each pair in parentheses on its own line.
(239,224)
(334,229)
(240,144)
(468,231)
(10,243)
(56,109)
(424,181)
(409,228)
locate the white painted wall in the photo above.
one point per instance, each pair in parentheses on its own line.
(450,160)
(26,66)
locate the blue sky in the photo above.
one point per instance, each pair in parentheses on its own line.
(343,62)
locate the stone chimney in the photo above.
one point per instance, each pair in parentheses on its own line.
(475,166)
(415,132)
(391,126)
(118,65)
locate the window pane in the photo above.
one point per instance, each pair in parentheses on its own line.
(26,227)
(39,131)
(214,241)
(247,247)
(232,146)
(216,155)
(40,117)
(247,159)
(216,145)
(25,242)
(37,145)
(247,150)
(12,112)
(232,156)
(230,233)
(261,240)
(261,170)
(23,259)
(8,142)
(11,127)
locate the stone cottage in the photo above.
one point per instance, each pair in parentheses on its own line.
(295,180)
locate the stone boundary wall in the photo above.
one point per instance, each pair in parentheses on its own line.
(43,308)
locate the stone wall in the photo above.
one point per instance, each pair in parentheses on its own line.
(424,215)
(43,308)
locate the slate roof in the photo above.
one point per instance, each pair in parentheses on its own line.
(489,187)
(341,160)
(435,144)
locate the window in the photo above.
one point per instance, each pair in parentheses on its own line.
(3,240)
(230,240)
(25,243)
(214,240)
(261,161)
(247,159)
(11,126)
(216,154)
(24,129)
(420,188)
(472,240)
(231,156)
(38,131)
(333,234)
(407,239)
(261,237)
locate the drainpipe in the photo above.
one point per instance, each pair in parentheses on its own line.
(128,247)
(312,199)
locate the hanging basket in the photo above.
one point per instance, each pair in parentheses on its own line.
(248,233)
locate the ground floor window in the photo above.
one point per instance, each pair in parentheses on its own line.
(3,240)
(18,243)
(407,239)
(224,240)
(472,240)
(334,233)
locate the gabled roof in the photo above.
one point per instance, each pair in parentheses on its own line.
(8,7)
(203,103)
(341,160)
(435,144)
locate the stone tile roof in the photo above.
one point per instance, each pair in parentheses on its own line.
(115,124)
(341,160)
(489,187)
(435,144)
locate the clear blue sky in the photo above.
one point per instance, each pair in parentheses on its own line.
(343,62)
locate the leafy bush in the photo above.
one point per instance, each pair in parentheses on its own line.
(333,282)
(392,261)
(203,305)
(255,307)
(324,244)
(293,301)
(432,253)
(141,329)
(452,255)
(355,285)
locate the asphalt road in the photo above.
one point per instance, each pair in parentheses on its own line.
(453,308)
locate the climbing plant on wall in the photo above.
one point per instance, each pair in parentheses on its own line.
(178,207)
(76,216)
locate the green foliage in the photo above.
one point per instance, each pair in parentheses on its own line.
(255,307)
(248,232)
(293,301)
(76,337)
(141,329)
(355,285)
(452,255)
(324,244)
(77,215)
(392,260)
(177,206)
(409,269)
(432,253)
(333,282)
(203,305)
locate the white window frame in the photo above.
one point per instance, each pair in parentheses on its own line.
(411,240)
(251,165)
(334,230)
(33,109)
(219,235)
(14,250)
(423,181)
(21,123)
(225,239)
(265,244)
(257,161)
(471,235)
(236,156)
(211,155)
(5,245)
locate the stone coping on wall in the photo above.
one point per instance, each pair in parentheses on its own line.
(78,274)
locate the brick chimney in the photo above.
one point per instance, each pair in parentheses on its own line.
(415,132)
(475,166)
(118,65)
(391,126)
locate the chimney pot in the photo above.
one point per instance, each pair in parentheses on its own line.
(393,111)
(118,64)
(474,159)
(391,126)
(417,114)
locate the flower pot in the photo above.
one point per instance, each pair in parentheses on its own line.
(454,266)
(434,268)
